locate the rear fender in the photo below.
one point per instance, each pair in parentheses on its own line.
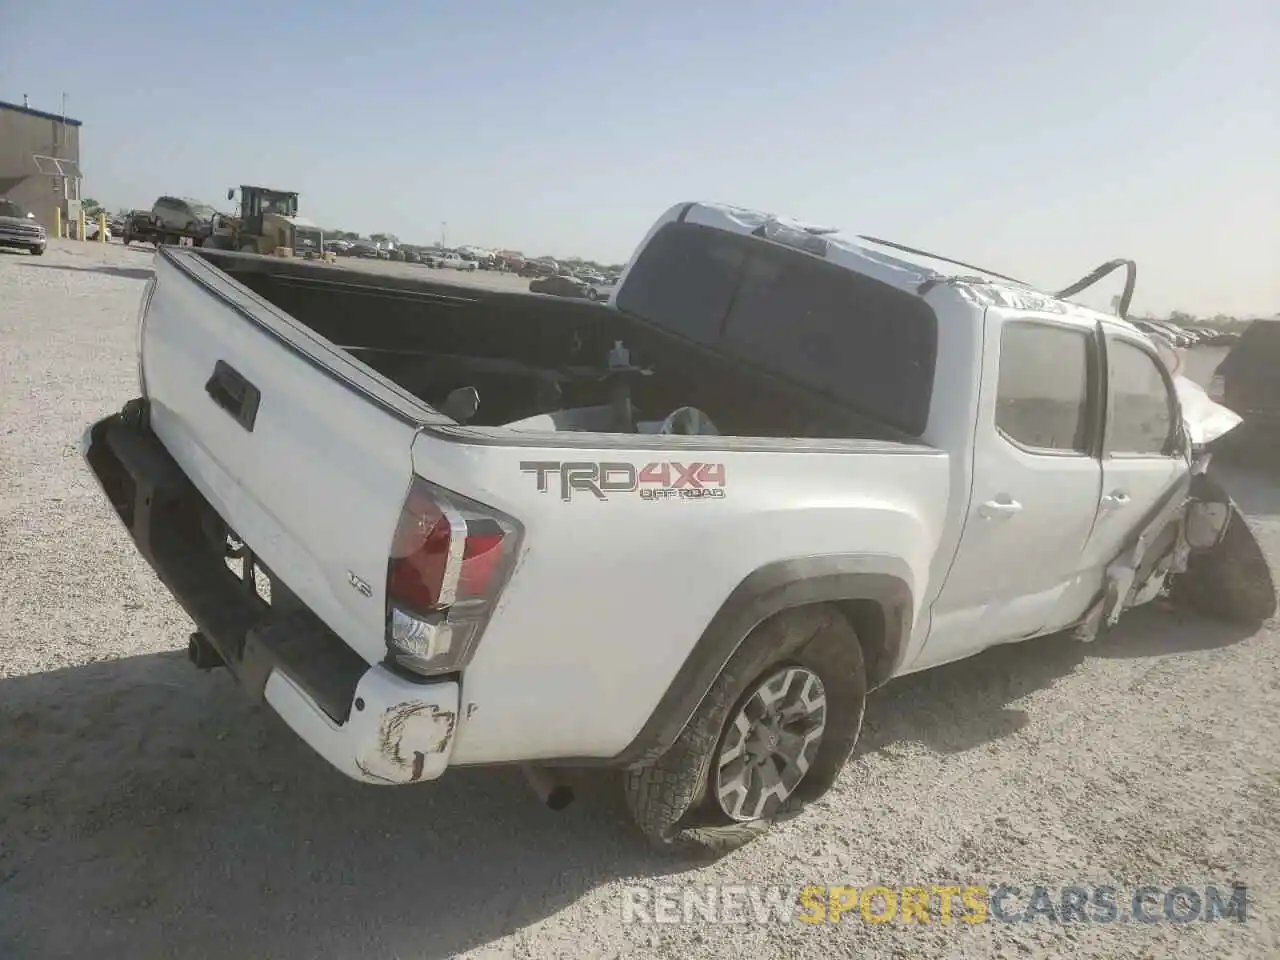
(770,590)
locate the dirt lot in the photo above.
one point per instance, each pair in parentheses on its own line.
(147,810)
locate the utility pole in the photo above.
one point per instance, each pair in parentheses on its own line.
(444,233)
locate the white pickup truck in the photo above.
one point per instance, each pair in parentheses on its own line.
(683,534)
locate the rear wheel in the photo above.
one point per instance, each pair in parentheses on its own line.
(771,735)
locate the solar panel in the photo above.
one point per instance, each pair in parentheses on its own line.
(57,166)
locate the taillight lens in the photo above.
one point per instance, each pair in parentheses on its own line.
(449,561)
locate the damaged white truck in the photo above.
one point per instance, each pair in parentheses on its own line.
(682,534)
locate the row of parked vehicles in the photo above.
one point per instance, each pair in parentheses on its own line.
(1188,336)
(546,275)
(464,260)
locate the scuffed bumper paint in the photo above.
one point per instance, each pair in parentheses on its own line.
(398,731)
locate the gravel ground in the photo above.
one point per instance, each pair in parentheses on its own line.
(147,810)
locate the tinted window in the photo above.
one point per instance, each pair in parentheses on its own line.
(1042,399)
(847,335)
(1140,410)
(864,343)
(684,280)
(1257,352)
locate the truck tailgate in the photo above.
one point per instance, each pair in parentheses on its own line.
(304,453)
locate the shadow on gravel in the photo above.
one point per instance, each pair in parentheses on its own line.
(131,273)
(173,818)
(964,705)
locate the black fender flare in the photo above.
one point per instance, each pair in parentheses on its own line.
(767,591)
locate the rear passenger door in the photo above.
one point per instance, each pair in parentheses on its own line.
(1021,568)
(1141,457)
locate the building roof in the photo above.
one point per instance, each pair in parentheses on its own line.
(29,111)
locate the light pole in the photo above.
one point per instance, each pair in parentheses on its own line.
(444,233)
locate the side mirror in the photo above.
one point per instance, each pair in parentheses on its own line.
(231,193)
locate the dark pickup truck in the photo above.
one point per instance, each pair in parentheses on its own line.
(1248,381)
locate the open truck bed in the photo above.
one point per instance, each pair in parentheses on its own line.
(529,355)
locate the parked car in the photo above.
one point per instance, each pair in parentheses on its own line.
(910,469)
(140,225)
(1248,381)
(92,228)
(602,289)
(1212,337)
(540,268)
(1166,331)
(1180,337)
(19,229)
(561,285)
(182,216)
(449,259)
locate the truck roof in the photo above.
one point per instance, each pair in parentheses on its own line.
(905,271)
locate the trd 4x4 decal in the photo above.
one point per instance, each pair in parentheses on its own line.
(661,480)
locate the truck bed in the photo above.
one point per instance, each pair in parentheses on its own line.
(528,354)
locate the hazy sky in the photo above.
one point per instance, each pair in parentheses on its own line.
(1034,138)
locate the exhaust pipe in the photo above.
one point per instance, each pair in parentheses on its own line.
(202,653)
(555,793)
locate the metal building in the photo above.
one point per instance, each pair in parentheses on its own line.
(40,161)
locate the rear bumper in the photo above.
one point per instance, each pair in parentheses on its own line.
(369,722)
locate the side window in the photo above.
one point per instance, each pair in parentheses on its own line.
(1042,399)
(1140,409)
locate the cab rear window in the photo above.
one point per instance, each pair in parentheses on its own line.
(862,342)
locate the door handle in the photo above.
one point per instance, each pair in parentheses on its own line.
(1116,500)
(998,509)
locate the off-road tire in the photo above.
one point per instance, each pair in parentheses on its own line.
(1231,581)
(37,251)
(668,797)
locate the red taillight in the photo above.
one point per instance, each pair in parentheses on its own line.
(480,560)
(448,559)
(420,551)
